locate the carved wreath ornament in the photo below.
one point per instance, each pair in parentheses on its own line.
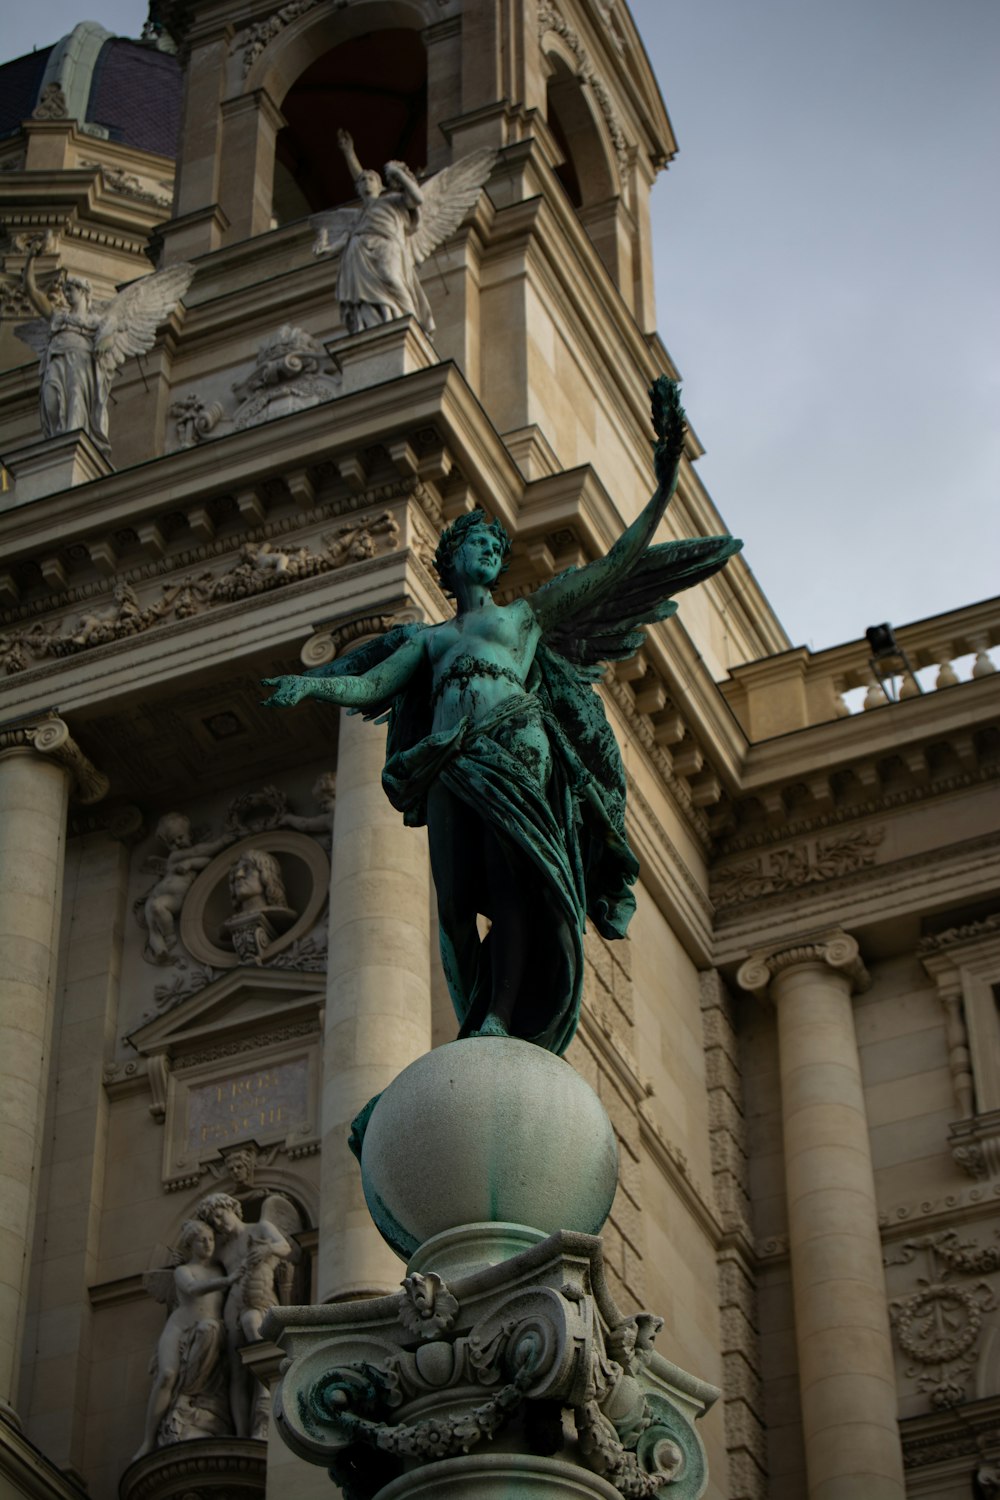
(938,1325)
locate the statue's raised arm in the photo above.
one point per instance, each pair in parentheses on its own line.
(594,613)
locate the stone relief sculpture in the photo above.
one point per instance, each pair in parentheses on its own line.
(499,745)
(159,909)
(291,373)
(259,1260)
(82,343)
(188,1399)
(260,566)
(260,906)
(228,1275)
(397,226)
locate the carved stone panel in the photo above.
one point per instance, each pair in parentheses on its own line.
(223,926)
(267,1095)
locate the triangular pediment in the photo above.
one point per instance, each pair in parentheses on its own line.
(241,1003)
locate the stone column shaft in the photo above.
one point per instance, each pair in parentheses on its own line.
(846,1370)
(33,801)
(39,763)
(378,1005)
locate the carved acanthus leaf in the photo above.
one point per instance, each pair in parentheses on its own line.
(807,863)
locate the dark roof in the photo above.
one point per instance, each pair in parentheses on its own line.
(20,82)
(136,95)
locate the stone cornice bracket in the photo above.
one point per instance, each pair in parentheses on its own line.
(332,641)
(835,948)
(50,736)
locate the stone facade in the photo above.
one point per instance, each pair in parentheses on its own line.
(797,1045)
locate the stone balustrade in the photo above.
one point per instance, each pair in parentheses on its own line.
(799,688)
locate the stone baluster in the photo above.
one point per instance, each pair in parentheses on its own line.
(378,997)
(40,765)
(846,1375)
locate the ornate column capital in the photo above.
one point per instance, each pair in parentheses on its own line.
(49,735)
(331,641)
(833,949)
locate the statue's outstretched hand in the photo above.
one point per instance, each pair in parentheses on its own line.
(345,140)
(287,691)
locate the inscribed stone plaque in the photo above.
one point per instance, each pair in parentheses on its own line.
(260,1104)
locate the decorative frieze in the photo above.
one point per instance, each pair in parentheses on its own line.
(261,567)
(806,863)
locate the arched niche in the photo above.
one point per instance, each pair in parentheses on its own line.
(373,84)
(588,171)
(589,168)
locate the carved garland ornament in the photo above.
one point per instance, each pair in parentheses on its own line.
(262,566)
(537,1346)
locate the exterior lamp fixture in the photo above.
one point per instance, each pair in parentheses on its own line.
(889,661)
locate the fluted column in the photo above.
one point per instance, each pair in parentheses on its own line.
(846,1375)
(39,766)
(378,1004)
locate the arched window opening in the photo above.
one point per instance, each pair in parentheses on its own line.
(375,86)
(584,171)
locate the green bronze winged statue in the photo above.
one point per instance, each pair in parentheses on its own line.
(498,742)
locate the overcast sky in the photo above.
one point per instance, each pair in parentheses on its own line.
(827,244)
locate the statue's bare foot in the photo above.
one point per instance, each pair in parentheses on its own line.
(492,1026)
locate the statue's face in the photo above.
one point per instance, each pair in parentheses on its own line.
(175,831)
(479,558)
(369,185)
(203,1243)
(246,882)
(76,295)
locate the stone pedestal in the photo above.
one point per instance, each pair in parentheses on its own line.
(52,464)
(515,1374)
(379,354)
(210,1468)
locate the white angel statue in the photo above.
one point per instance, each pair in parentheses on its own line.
(82,343)
(396,227)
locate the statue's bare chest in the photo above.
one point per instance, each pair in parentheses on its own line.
(508,631)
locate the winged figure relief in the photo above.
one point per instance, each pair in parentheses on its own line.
(82,342)
(395,227)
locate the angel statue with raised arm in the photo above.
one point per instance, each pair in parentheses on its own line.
(498,742)
(397,225)
(82,343)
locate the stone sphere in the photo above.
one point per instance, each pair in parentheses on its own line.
(490,1130)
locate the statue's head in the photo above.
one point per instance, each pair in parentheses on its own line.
(455,537)
(175,830)
(221,1213)
(257,874)
(197,1238)
(77,290)
(368,184)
